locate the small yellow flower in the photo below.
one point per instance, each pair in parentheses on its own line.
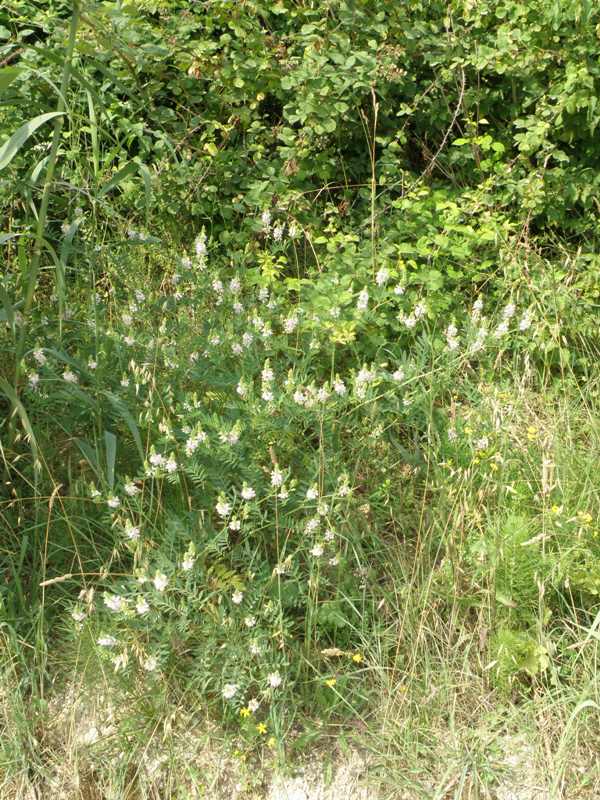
(271,742)
(357,658)
(331,682)
(556,509)
(261,728)
(245,712)
(531,433)
(493,466)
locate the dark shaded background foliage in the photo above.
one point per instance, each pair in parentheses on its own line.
(471,124)
(254,101)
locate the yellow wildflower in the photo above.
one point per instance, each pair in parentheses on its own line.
(261,727)
(330,682)
(357,658)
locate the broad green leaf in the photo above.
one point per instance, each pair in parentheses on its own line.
(11,147)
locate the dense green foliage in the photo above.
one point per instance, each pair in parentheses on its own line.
(284,286)
(472,126)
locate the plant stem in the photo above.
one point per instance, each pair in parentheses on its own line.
(373,179)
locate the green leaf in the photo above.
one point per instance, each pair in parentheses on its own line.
(89,455)
(68,239)
(20,410)
(61,267)
(93,132)
(505,600)
(7,76)
(124,412)
(119,176)
(110,443)
(145,173)
(11,147)
(38,169)
(5,237)
(7,313)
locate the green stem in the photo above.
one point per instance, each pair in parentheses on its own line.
(373,180)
